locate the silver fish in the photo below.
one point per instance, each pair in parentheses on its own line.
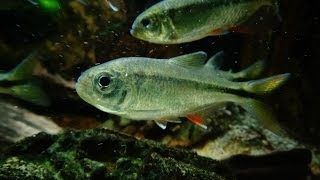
(142,88)
(180,21)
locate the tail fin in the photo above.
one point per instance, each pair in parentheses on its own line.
(22,71)
(30,92)
(262,112)
(266,85)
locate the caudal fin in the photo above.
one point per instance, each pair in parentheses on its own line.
(266,85)
(22,71)
(30,92)
(263,113)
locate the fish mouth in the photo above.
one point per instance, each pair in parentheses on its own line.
(81,83)
(133,32)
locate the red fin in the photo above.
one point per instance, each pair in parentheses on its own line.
(197,120)
(240,29)
(218,31)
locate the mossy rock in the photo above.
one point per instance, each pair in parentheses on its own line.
(103,154)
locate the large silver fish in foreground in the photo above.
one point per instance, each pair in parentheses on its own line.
(179,21)
(185,86)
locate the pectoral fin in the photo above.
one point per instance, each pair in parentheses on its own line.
(161,123)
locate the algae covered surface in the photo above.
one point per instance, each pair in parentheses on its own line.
(103,154)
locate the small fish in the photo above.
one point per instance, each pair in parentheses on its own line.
(180,21)
(20,83)
(141,88)
(44,5)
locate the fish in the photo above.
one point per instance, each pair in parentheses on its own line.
(20,83)
(163,90)
(27,5)
(181,21)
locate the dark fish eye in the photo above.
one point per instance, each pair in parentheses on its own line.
(145,22)
(104,81)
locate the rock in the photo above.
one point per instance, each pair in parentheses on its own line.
(103,154)
(17,123)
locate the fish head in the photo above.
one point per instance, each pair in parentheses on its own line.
(104,86)
(153,25)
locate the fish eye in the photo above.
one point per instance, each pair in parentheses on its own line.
(146,23)
(104,81)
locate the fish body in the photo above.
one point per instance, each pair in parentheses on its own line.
(142,88)
(179,21)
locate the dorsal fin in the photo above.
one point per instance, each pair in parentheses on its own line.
(216,60)
(196,59)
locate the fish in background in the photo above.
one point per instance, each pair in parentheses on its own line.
(20,83)
(180,21)
(43,5)
(141,88)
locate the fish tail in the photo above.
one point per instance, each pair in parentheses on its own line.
(263,113)
(266,85)
(30,92)
(22,71)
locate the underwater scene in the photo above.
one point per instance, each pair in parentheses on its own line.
(159,89)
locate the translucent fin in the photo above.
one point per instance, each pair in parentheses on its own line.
(218,32)
(197,120)
(174,121)
(277,10)
(240,29)
(161,123)
(22,71)
(251,72)
(30,92)
(196,59)
(263,113)
(215,61)
(266,85)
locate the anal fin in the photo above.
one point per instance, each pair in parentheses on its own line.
(217,32)
(197,120)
